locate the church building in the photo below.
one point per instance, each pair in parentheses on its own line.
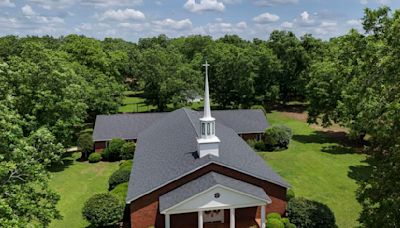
(192,170)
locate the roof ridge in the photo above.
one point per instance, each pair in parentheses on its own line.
(190,120)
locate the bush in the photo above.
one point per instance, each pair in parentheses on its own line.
(259,107)
(120,191)
(94,157)
(290,194)
(309,213)
(128,150)
(274,223)
(277,137)
(256,145)
(127,165)
(118,177)
(103,210)
(114,150)
(274,215)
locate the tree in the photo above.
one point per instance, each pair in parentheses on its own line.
(85,143)
(25,197)
(166,78)
(294,60)
(48,147)
(231,75)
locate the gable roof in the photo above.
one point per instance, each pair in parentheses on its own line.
(167,151)
(128,126)
(205,182)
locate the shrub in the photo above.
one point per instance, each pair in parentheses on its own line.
(274,215)
(128,150)
(277,137)
(127,165)
(120,191)
(309,213)
(103,210)
(256,145)
(94,157)
(114,150)
(290,194)
(274,223)
(259,107)
(118,177)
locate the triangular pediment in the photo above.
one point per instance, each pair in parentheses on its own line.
(216,197)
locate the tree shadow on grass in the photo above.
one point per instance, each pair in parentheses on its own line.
(360,173)
(66,160)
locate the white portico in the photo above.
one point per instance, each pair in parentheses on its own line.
(209,196)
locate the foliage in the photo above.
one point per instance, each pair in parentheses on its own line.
(290,194)
(309,213)
(277,137)
(256,144)
(118,177)
(120,191)
(127,165)
(114,150)
(274,215)
(103,210)
(94,157)
(85,143)
(45,142)
(25,196)
(128,150)
(274,223)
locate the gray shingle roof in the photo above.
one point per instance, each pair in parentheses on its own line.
(166,151)
(128,126)
(205,182)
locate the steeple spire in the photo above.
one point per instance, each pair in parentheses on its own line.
(208,143)
(207,109)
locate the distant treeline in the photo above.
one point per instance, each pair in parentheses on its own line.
(50,87)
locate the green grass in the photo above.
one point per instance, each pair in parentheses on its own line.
(132,103)
(319,168)
(76,182)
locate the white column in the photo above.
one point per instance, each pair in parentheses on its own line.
(200,219)
(167,222)
(232,218)
(263,216)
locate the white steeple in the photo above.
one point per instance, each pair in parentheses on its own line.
(208,143)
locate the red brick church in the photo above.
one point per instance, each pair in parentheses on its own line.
(192,170)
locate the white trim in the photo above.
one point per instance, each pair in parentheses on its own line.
(206,164)
(264,201)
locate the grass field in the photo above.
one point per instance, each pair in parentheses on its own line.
(134,103)
(319,167)
(76,182)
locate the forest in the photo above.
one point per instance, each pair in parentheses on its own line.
(53,88)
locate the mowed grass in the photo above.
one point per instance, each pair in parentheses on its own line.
(133,102)
(76,182)
(318,167)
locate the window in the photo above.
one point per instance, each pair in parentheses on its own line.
(203,128)
(213,128)
(208,128)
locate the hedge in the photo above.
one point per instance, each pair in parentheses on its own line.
(94,157)
(118,177)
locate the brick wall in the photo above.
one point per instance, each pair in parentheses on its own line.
(145,212)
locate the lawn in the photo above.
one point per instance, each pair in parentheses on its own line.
(75,182)
(319,167)
(133,102)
